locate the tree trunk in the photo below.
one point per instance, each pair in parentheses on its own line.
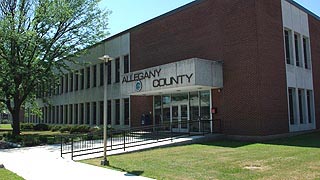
(16,121)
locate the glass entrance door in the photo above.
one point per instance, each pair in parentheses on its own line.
(180,117)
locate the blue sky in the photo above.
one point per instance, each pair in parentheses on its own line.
(129,13)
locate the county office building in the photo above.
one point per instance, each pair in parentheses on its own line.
(251,65)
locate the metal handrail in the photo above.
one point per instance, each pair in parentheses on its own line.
(91,143)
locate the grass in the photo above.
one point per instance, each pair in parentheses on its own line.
(8,175)
(290,158)
(5,127)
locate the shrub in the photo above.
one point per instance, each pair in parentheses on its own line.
(55,128)
(79,129)
(26,126)
(65,129)
(29,141)
(41,127)
(5,122)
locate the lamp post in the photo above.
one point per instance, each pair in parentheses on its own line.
(106,59)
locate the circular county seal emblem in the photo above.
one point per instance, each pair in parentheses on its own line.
(138,86)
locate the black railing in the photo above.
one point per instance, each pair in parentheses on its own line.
(92,143)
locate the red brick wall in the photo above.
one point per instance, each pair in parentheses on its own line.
(314,27)
(247,36)
(272,68)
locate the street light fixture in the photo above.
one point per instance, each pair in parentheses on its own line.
(106,59)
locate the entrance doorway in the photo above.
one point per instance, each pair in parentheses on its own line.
(180,117)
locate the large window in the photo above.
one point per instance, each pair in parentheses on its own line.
(118,112)
(77,81)
(94,111)
(287,36)
(71,82)
(66,79)
(126,111)
(117,70)
(292,108)
(81,113)
(310,105)
(94,75)
(88,114)
(126,64)
(71,114)
(297,49)
(101,74)
(61,115)
(65,119)
(109,73)
(205,105)
(76,117)
(101,111)
(81,78)
(88,77)
(109,112)
(301,105)
(306,55)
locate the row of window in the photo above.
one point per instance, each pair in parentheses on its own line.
(297,49)
(301,107)
(85,78)
(84,113)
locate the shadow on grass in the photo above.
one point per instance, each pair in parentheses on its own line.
(306,140)
(130,173)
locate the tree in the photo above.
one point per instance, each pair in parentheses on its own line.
(38,39)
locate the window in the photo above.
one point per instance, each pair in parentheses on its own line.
(292,96)
(61,85)
(61,115)
(94,111)
(77,81)
(205,105)
(301,105)
(57,115)
(95,76)
(53,114)
(88,114)
(65,119)
(81,113)
(71,114)
(306,56)
(118,112)
(109,73)
(101,74)
(126,111)
(76,118)
(101,112)
(297,49)
(287,36)
(67,83)
(126,64)
(81,78)
(71,82)
(88,77)
(310,105)
(117,70)
(109,112)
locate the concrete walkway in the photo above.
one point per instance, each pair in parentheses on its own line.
(44,162)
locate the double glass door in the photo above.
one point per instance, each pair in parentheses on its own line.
(180,117)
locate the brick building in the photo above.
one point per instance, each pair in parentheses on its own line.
(254,62)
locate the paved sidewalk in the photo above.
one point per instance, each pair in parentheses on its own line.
(44,162)
(39,163)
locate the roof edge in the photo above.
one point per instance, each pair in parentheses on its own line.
(299,6)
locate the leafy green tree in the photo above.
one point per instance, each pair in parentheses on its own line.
(38,39)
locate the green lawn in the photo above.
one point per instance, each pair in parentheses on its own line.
(290,158)
(5,127)
(8,175)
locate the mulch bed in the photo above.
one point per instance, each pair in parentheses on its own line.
(4,145)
